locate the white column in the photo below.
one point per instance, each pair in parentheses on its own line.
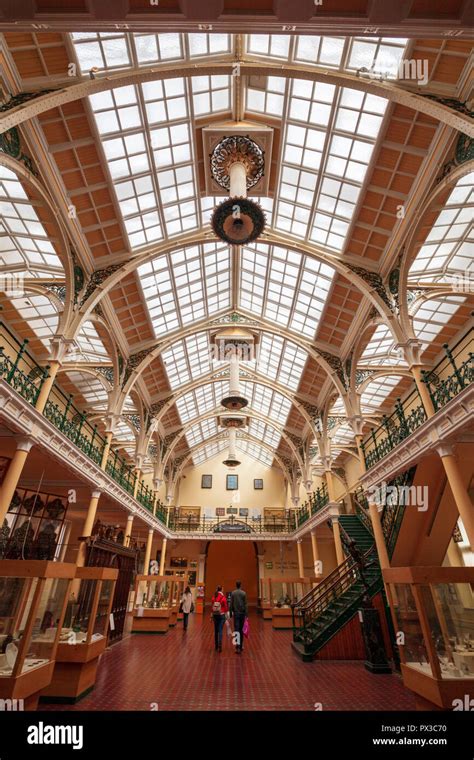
(238,180)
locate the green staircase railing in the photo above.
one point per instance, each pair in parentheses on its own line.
(315,503)
(319,615)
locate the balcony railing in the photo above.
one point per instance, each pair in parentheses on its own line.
(22,372)
(448,378)
(232,524)
(316,501)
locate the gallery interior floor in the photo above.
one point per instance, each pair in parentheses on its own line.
(183,672)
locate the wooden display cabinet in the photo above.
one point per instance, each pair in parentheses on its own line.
(200,593)
(33,599)
(434,607)
(283,593)
(84,635)
(152,610)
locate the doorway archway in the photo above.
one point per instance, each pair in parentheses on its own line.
(228,561)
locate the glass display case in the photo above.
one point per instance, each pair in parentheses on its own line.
(178,591)
(83,635)
(283,593)
(33,598)
(153,604)
(265,605)
(433,607)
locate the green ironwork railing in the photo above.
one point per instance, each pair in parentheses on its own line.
(121,471)
(69,420)
(316,501)
(444,382)
(23,373)
(18,367)
(442,391)
(244,524)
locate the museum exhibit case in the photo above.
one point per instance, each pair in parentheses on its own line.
(153,603)
(199,602)
(178,590)
(283,593)
(33,601)
(434,608)
(83,635)
(264,603)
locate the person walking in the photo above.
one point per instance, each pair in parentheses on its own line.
(187,606)
(218,615)
(239,611)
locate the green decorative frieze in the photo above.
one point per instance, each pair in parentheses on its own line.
(97,278)
(10,144)
(374,280)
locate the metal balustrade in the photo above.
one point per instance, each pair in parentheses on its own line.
(23,373)
(444,382)
(240,524)
(316,501)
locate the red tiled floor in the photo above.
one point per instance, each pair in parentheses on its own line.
(183,672)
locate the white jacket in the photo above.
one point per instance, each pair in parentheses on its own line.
(186,601)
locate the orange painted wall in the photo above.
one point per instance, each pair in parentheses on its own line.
(228,561)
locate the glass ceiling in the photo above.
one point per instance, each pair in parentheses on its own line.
(24,242)
(150,137)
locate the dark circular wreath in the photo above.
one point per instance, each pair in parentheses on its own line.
(246,208)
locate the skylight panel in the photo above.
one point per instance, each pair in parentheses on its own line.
(152,48)
(201,431)
(326,150)
(269,45)
(324,51)
(186,285)
(381,348)
(255,451)
(448,246)
(23,238)
(40,315)
(89,345)
(211,94)
(281,360)
(432,315)
(283,286)
(209,44)
(201,400)
(379,56)
(101,51)
(89,387)
(187,359)
(266,95)
(376,392)
(266,433)
(208,451)
(266,401)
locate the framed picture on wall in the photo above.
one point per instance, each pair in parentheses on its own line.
(220,511)
(232,511)
(232,482)
(206,481)
(258,484)
(178,562)
(192,578)
(243,512)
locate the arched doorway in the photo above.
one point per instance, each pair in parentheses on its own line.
(228,561)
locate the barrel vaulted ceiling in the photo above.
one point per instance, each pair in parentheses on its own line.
(349,160)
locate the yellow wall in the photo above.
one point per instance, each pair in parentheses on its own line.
(273,494)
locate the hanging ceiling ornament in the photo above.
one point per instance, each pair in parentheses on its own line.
(237,164)
(231,460)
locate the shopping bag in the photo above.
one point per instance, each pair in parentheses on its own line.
(228,628)
(246,628)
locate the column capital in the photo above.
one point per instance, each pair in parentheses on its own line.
(299,540)
(96,494)
(151,531)
(327,464)
(357,424)
(60,346)
(411,350)
(23,443)
(295,500)
(445,449)
(130,518)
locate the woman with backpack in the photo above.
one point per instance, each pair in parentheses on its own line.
(219,610)
(186,606)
